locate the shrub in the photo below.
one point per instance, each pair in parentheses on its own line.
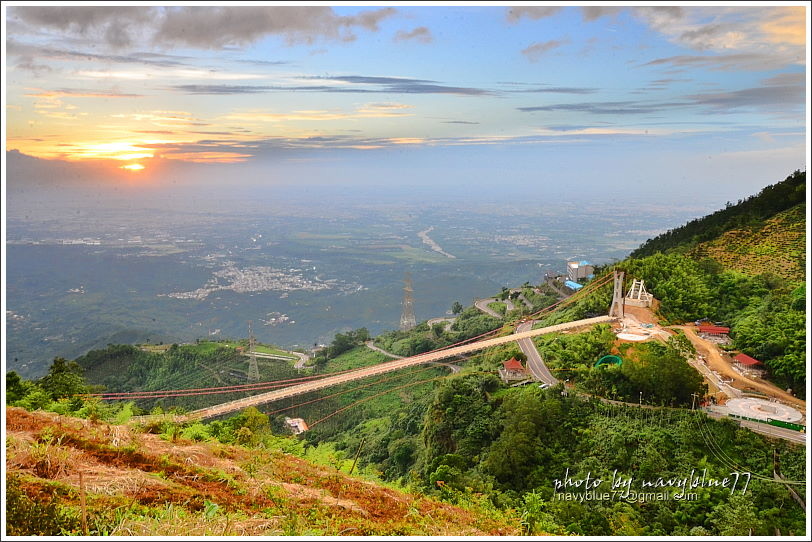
(25,517)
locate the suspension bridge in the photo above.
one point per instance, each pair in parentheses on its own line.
(285,389)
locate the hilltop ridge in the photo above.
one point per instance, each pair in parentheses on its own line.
(747,214)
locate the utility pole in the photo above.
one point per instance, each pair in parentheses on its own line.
(357,454)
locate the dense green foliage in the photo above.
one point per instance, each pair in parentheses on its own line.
(127,368)
(659,376)
(750,212)
(514,445)
(469,323)
(342,342)
(470,438)
(766,313)
(651,373)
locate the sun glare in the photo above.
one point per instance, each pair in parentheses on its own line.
(133,167)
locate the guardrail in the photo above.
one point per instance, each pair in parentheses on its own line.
(777,423)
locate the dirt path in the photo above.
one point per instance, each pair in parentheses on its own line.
(719,364)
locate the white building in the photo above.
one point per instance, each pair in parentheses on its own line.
(297,425)
(579,270)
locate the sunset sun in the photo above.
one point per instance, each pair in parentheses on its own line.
(133,167)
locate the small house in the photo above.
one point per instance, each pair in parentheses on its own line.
(512,370)
(747,365)
(297,425)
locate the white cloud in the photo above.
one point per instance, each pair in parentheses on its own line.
(535,51)
(203,27)
(516,13)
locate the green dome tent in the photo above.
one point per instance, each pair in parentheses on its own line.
(607,360)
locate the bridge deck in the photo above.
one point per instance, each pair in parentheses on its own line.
(299,389)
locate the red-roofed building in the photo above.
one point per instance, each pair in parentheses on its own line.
(714,330)
(745,364)
(512,369)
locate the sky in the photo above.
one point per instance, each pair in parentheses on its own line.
(463,98)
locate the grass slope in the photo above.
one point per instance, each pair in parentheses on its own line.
(749,213)
(139,484)
(777,247)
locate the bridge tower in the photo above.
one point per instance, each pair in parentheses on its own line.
(407,318)
(253,368)
(616,310)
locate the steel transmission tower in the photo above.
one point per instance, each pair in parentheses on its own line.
(407,319)
(253,368)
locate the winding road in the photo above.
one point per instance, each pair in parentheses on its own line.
(447,327)
(303,358)
(534,362)
(482,304)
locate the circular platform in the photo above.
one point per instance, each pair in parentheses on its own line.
(763,410)
(632,337)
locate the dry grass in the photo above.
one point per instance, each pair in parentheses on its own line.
(197,489)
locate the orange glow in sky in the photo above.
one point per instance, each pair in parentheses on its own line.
(133,167)
(116,151)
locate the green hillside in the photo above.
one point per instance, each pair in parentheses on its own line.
(778,246)
(749,214)
(743,266)
(471,456)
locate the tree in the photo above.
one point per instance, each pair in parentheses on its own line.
(503,294)
(457,307)
(736,517)
(15,388)
(64,379)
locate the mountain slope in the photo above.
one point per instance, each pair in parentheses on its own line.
(776,247)
(748,214)
(140,484)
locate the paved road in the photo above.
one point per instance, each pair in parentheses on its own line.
(526,301)
(554,285)
(382,368)
(371,345)
(534,362)
(303,358)
(764,429)
(482,304)
(715,381)
(271,356)
(447,327)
